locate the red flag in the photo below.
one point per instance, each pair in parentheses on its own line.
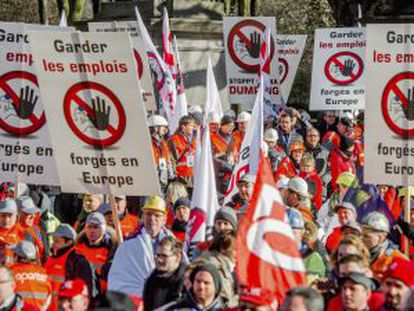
(265,254)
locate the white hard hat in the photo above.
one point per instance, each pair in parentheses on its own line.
(243,116)
(298,185)
(271,135)
(377,222)
(214,117)
(195,108)
(157,120)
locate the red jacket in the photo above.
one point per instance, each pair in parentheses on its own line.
(374,302)
(334,239)
(340,163)
(286,168)
(317,199)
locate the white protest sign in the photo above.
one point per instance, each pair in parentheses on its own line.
(389,115)
(141,58)
(26,152)
(243,39)
(90,90)
(338,81)
(289,53)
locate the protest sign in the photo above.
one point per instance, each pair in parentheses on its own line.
(243,38)
(26,151)
(338,69)
(97,128)
(389,115)
(143,69)
(289,50)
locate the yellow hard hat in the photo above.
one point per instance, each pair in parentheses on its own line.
(156,204)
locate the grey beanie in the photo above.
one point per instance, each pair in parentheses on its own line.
(227,213)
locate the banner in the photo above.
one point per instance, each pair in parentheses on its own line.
(140,55)
(389,117)
(97,128)
(243,38)
(289,53)
(338,78)
(213,101)
(26,151)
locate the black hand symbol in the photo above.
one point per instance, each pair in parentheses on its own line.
(409,108)
(348,67)
(255,44)
(100,118)
(27,103)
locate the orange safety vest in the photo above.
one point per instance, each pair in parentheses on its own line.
(129,224)
(235,144)
(219,145)
(96,256)
(160,151)
(11,238)
(32,284)
(182,150)
(56,270)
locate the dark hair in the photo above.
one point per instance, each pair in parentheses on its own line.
(312,299)
(176,245)
(224,243)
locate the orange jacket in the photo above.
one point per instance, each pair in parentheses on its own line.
(286,168)
(11,238)
(96,256)
(32,283)
(183,152)
(235,144)
(160,151)
(219,145)
(56,270)
(129,224)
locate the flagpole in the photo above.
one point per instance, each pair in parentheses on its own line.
(117,223)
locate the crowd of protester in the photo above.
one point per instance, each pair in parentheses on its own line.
(61,251)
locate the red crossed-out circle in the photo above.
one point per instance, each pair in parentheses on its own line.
(236,31)
(140,66)
(334,61)
(392,87)
(72,97)
(285,65)
(37,122)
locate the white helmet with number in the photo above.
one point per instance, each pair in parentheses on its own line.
(244,116)
(157,120)
(377,222)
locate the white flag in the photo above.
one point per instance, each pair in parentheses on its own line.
(213,102)
(63,21)
(204,203)
(165,83)
(251,147)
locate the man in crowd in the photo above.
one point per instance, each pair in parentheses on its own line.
(66,263)
(240,200)
(74,296)
(204,293)
(287,135)
(138,252)
(356,291)
(166,282)
(31,279)
(237,137)
(91,203)
(9,232)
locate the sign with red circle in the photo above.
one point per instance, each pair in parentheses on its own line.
(16,119)
(344,68)
(94,124)
(283,69)
(397,104)
(241,48)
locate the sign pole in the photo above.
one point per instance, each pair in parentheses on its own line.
(407,219)
(115,217)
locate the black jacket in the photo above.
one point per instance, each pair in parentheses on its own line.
(187,303)
(160,290)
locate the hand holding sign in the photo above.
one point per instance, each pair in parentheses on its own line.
(348,67)
(100,117)
(408,109)
(255,44)
(27,103)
